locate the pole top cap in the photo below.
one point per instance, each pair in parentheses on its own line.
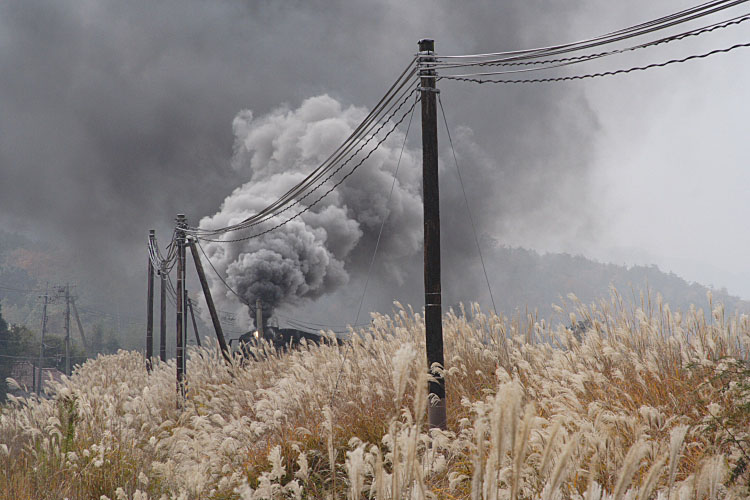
(426,44)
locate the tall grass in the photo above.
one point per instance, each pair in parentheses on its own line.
(642,403)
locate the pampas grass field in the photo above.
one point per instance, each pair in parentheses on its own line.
(637,402)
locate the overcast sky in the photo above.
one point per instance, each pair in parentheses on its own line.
(115,116)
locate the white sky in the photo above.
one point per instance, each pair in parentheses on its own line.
(671,168)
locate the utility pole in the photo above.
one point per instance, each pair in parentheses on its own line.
(209,301)
(181,224)
(150,306)
(163,314)
(67,329)
(39,382)
(436,413)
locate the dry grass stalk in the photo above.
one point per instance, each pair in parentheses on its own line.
(626,409)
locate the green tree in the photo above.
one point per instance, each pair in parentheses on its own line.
(103,340)
(16,342)
(6,361)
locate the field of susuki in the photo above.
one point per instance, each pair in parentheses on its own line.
(637,402)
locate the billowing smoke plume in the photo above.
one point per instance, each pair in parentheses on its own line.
(315,253)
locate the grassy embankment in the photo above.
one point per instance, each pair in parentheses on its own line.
(647,403)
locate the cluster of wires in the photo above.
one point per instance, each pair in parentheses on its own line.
(164,264)
(369,135)
(472,67)
(393,108)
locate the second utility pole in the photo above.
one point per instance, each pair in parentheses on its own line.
(40,379)
(433,314)
(150,306)
(180,362)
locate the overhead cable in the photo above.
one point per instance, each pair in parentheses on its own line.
(330,190)
(542,64)
(471,77)
(622,34)
(466,200)
(365,128)
(385,216)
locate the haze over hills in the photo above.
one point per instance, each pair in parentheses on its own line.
(528,278)
(521,279)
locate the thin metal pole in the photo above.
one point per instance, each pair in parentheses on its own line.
(209,301)
(436,413)
(67,330)
(150,307)
(179,334)
(39,383)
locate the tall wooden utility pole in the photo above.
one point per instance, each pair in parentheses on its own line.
(150,306)
(163,314)
(209,301)
(180,334)
(39,381)
(436,414)
(67,329)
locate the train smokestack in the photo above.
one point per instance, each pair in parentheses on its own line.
(259,318)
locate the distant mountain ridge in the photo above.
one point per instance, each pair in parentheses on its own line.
(526,278)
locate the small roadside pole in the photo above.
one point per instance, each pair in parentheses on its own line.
(150,307)
(67,330)
(436,410)
(179,334)
(39,379)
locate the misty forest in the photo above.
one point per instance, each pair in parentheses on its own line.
(374,250)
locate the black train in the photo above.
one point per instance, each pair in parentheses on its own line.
(281,339)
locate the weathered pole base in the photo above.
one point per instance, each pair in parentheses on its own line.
(436,414)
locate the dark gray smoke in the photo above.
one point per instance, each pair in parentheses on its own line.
(115,116)
(313,254)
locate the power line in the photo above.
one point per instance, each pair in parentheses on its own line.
(544,64)
(331,189)
(615,36)
(375,252)
(19,290)
(218,275)
(365,128)
(466,199)
(385,216)
(467,78)
(298,200)
(372,134)
(317,326)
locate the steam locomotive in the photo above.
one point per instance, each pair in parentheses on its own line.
(281,338)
